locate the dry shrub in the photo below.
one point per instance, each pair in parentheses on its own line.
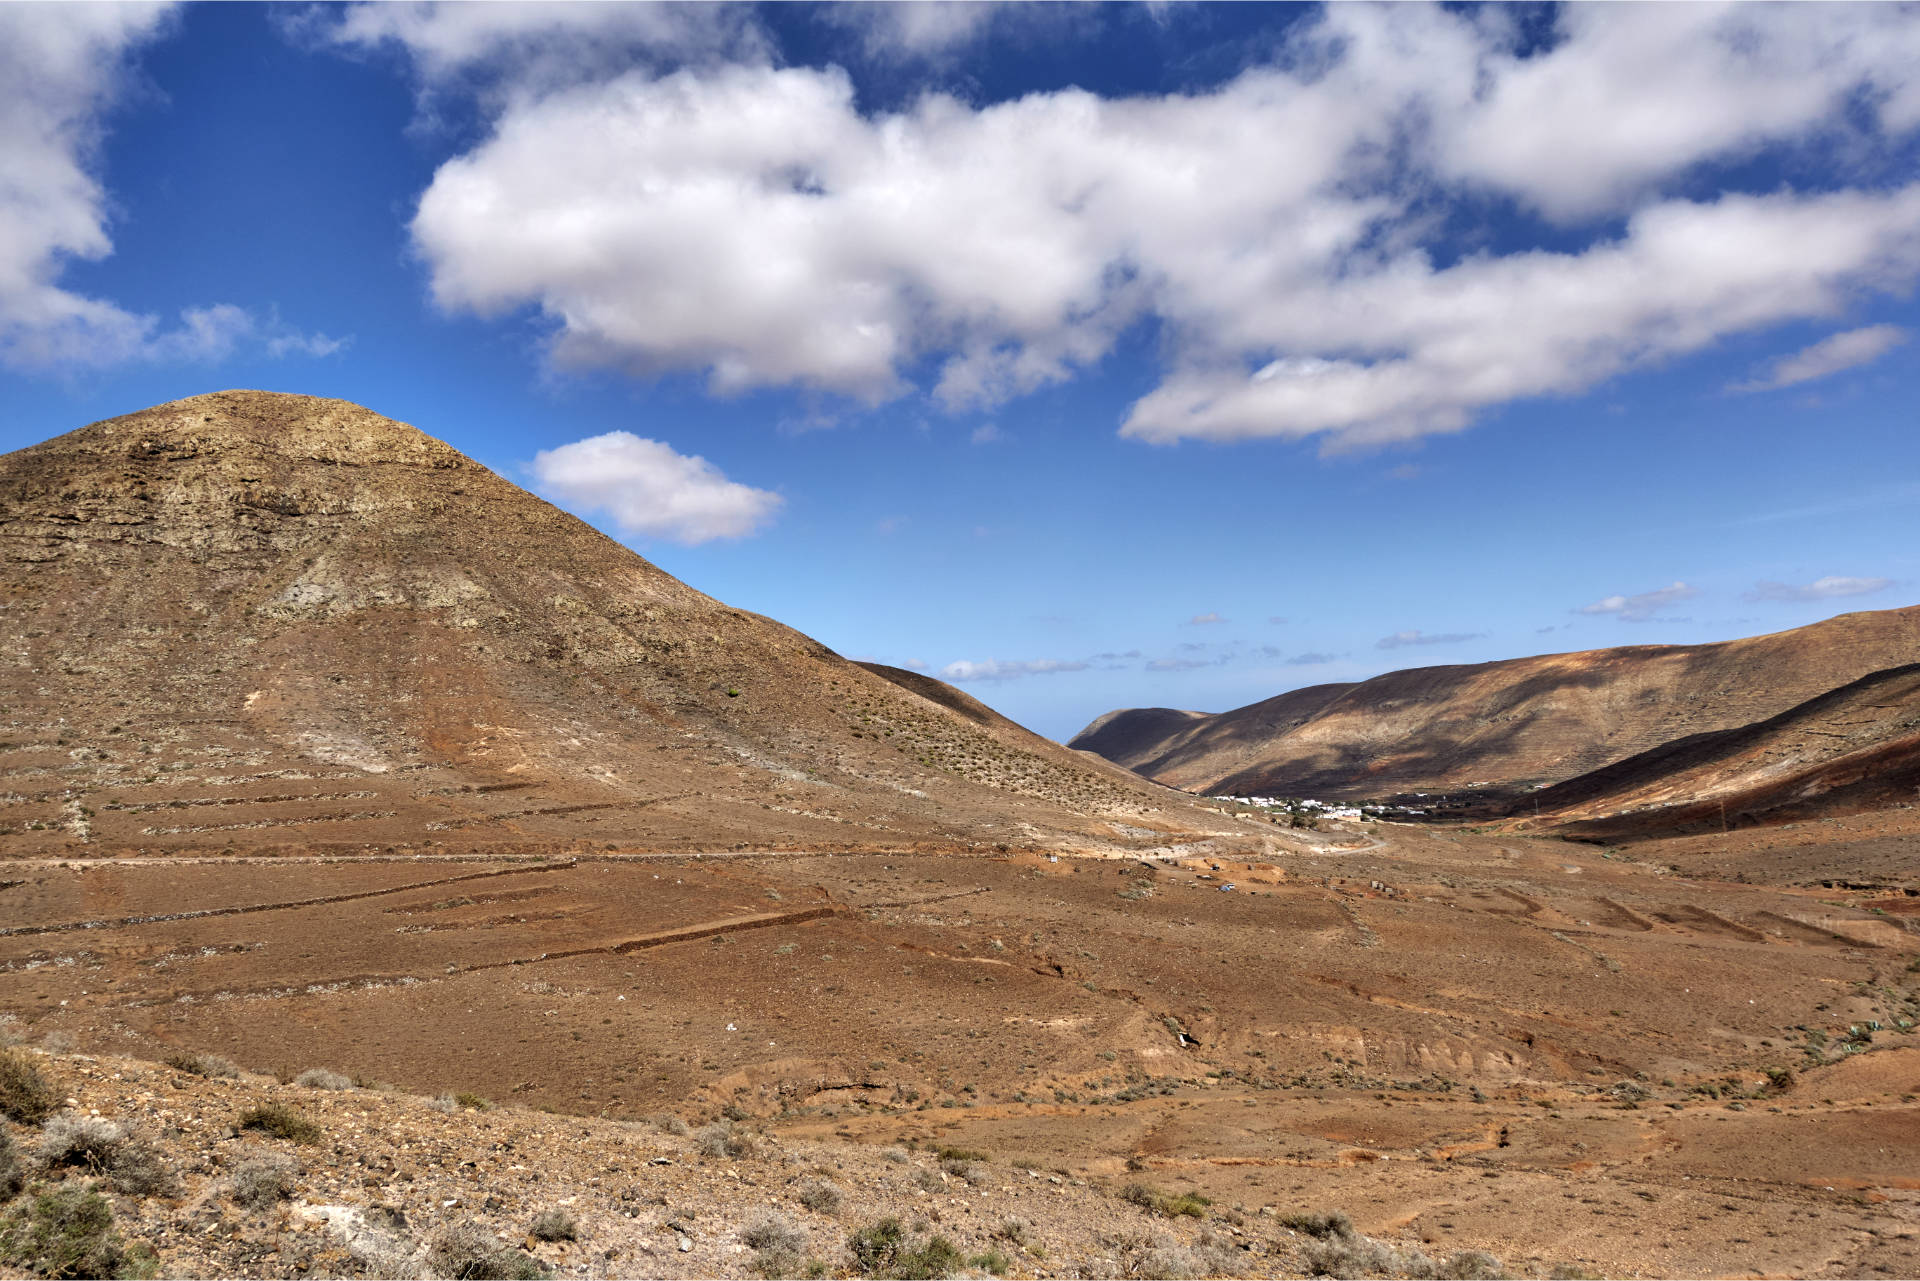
(1351,1256)
(819,1196)
(885,1250)
(468,1252)
(12,1177)
(98,1146)
(25,1095)
(263,1179)
(322,1079)
(722,1139)
(1346,1255)
(1332,1223)
(197,1064)
(669,1124)
(554,1225)
(771,1232)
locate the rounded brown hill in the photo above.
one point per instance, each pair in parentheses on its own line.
(249,619)
(1505,725)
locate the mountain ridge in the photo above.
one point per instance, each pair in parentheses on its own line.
(1513,724)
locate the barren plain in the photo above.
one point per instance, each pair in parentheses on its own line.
(1572,1057)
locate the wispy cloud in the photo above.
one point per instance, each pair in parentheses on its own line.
(1001,669)
(1642,606)
(1884,496)
(1202,620)
(1826,357)
(1177,664)
(1400,640)
(1828,588)
(1310,659)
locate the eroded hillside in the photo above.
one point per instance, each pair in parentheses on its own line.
(249,619)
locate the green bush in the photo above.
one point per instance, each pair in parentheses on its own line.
(25,1095)
(67,1231)
(281,1121)
(1170,1205)
(962,1154)
(885,1250)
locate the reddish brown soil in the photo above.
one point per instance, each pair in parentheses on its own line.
(1473,1041)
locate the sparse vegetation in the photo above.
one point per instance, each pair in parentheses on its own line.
(1327,1224)
(554,1225)
(208,1065)
(263,1179)
(819,1196)
(96,1145)
(468,1252)
(322,1079)
(12,1178)
(1170,1205)
(25,1095)
(68,1231)
(281,1121)
(885,1249)
(723,1139)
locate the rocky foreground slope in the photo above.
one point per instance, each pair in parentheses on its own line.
(1508,725)
(247,620)
(201,1170)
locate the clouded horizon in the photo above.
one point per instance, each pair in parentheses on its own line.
(1089,356)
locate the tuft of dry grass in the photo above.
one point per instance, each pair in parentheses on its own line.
(208,1065)
(25,1094)
(263,1179)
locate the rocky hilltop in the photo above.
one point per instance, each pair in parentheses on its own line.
(248,619)
(1507,725)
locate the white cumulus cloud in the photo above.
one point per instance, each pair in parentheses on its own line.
(62,67)
(1642,606)
(1828,356)
(651,491)
(752,222)
(1828,588)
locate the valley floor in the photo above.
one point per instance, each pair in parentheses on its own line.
(1579,1059)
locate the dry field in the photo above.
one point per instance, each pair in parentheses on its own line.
(1575,1058)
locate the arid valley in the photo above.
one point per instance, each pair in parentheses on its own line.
(329,787)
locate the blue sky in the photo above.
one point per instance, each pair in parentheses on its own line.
(1090,356)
